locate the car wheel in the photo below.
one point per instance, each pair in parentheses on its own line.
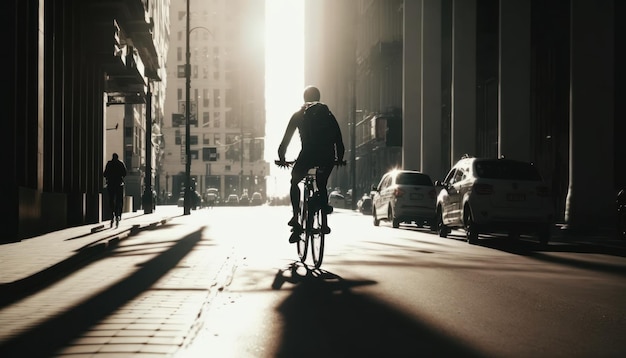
(544,235)
(470,227)
(442,229)
(376,221)
(395,223)
(432,224)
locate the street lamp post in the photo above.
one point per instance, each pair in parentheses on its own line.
(188,193)
(147,193)
(353,148)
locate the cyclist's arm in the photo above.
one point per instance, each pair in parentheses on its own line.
(291,128)
(338,141)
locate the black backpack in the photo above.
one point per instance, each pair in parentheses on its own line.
(317,124)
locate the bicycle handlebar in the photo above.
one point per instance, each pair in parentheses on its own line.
(289,163)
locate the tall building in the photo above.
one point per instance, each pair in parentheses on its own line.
(72,63)
(329,63)
(134,114)
(435,79)
(227,98)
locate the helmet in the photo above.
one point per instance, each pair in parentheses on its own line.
(311,94)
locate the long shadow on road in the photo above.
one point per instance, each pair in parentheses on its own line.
(57,332)
(325,318)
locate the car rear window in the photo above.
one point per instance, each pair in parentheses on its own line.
(413,179)
(508,170)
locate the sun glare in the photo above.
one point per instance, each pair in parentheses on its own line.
(284,78)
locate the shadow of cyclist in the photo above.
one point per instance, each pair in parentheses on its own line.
(324,318)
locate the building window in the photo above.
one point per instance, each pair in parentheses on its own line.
(179,94)
(216,98)
(179,54)
(193,140)
(216,120)
(206,117)
(233,146)
(205,98)
(177,140)
(206,138)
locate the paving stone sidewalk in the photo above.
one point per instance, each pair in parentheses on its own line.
(31,260)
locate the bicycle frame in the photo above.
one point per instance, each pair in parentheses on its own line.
(313,216)
(312,219)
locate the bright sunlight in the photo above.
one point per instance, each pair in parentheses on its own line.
(284,81)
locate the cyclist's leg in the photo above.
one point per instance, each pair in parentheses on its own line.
(321,177)
(298,172)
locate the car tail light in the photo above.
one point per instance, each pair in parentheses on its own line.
(398,193)
(483,189)
(543,191)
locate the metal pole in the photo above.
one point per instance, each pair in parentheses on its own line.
(187,195)
(147,193)
(353,148)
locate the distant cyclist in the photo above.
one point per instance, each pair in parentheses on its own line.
(322,147)
(114,172)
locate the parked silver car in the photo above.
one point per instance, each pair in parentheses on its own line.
(404,196)
(489,195)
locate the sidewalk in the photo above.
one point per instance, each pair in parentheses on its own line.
(28,262)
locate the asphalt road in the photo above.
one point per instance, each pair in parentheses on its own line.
(225,282)
(406,292)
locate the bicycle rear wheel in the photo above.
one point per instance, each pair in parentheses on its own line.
(317,237)
(303,243)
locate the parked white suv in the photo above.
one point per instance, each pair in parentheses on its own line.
(404,196)
(483,195)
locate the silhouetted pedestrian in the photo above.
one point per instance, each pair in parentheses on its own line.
(114,172)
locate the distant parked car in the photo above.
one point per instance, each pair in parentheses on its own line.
(364,205)
(244,200)
(404,196)
(196,200)
(212,197)
(336,200)
(256,199)
(232,200)
(488,195)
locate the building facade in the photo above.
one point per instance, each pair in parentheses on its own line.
(227,101)
(69,60)
(529,80)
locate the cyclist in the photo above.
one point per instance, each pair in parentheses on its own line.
(322,147)
(114,172)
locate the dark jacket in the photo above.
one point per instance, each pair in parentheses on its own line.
(320,135)
(114,172)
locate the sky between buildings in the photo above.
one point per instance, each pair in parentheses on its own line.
(284,76)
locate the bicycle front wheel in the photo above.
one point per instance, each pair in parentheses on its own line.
(317,238)
(303,243)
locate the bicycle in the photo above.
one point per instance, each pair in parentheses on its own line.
(313,219)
